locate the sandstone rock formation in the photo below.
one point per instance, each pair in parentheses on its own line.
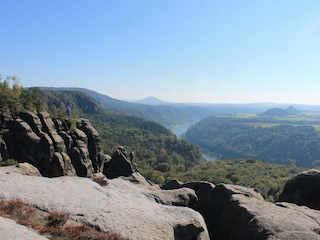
(135,209)
(120,164)
(303,189)
(57,148)
(236,212)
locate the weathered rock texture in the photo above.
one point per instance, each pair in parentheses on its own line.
(9,229)
(236,212)
(303,189)
(59,148)
(131,207)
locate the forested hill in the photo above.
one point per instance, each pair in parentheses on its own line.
(166,115)
(169,114)
(229,138)
(158,152)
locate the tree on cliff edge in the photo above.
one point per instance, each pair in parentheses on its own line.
(14,98)
(10,92)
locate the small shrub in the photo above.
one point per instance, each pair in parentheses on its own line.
(56,219)
(16,209)
(8,162)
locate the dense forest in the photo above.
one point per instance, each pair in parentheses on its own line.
(159,155)
(266,178)
(230,138)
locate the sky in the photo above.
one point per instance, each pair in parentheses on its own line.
(210,51)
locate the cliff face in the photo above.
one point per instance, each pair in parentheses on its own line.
(56,148)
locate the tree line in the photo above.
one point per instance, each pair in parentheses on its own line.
(14,98)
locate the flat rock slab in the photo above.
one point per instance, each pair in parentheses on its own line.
(121,206)
(9,229)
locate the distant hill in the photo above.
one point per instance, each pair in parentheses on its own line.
(280,112)
(170,114)
(153,101)
(166,115)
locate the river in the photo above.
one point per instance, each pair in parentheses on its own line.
(181,129)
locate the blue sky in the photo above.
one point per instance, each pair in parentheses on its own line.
(214,51)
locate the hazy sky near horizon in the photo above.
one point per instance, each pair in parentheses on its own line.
(214,51)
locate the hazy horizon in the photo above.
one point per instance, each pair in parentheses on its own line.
(178,51)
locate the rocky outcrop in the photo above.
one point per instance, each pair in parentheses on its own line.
(94,147)
(126,205)
(55,147)
(303,189)
(120,164)
(247,217)
(236,212)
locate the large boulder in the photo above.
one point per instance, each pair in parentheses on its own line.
(205,199)
(172,184)
(185,197)
(120,164)
(303,189)
(122,206)
(236,212)
(244,217)
(22,168)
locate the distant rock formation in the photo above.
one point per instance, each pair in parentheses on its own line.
(59,148)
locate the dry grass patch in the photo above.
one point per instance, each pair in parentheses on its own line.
(100,179)
(53,225)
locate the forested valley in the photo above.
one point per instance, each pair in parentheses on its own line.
(160,156)
(232,138)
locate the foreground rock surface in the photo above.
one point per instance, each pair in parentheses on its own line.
(132,208)
(240,213)
(9,229)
